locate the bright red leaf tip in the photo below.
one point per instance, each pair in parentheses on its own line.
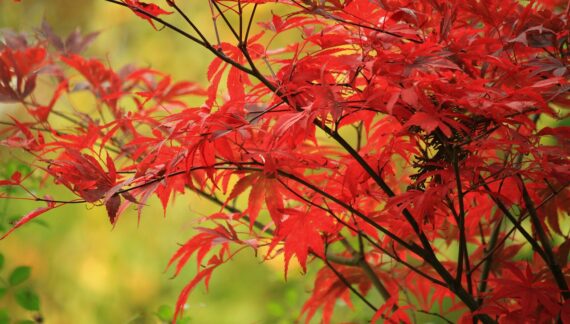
(146,10)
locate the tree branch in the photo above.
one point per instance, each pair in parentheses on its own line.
(544,241)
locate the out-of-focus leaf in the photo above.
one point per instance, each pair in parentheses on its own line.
(4,317)
(165,313)
(3,291)
(183,320)
(1,261)
(27,299)
(19,275)
(292,296)
(276,309)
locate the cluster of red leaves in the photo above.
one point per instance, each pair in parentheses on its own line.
(416,131)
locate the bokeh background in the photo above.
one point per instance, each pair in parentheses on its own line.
(85,271)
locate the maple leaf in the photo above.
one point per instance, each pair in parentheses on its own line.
(74,43)
(15,179)
(203,275)
(200,244)
(23,65)
(168,92)
(32,215)
(390,313)
(24,138)
(373,120)
(530,291)
(146,11)
(106,82)
(329,288)
(264,189)
(300,232)
(95,181)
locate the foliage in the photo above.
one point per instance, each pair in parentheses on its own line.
(25,297)
(398,144)
(12,283)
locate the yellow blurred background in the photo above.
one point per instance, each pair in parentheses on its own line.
(84,270)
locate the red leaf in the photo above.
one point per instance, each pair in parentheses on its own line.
(236,81)
(300,232)
(429,123)
(241,186)
(202,275)
(146,10)
(18,72)
(30,216)
(255,200)
(104,81)
(15,179)
(112,205)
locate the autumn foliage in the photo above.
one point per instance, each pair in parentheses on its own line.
(411,149)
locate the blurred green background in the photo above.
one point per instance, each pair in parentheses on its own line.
(85,271)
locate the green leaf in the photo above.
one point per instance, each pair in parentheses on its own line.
(183,320)
(24,169)
(27,299)
(275,309)
(165,313)
(3,291)
(7,189)
(4,317)
(292,297)
(1,261)
(19,275)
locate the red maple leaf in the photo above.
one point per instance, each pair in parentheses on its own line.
(146,10)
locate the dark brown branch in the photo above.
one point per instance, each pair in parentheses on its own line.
(228,24)
(190,22)
(545,242)
(514,221)
(370,272)
(463,255)
(521,218)
(489,250)
(246,38)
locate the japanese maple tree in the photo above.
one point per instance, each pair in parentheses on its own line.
(411,149)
